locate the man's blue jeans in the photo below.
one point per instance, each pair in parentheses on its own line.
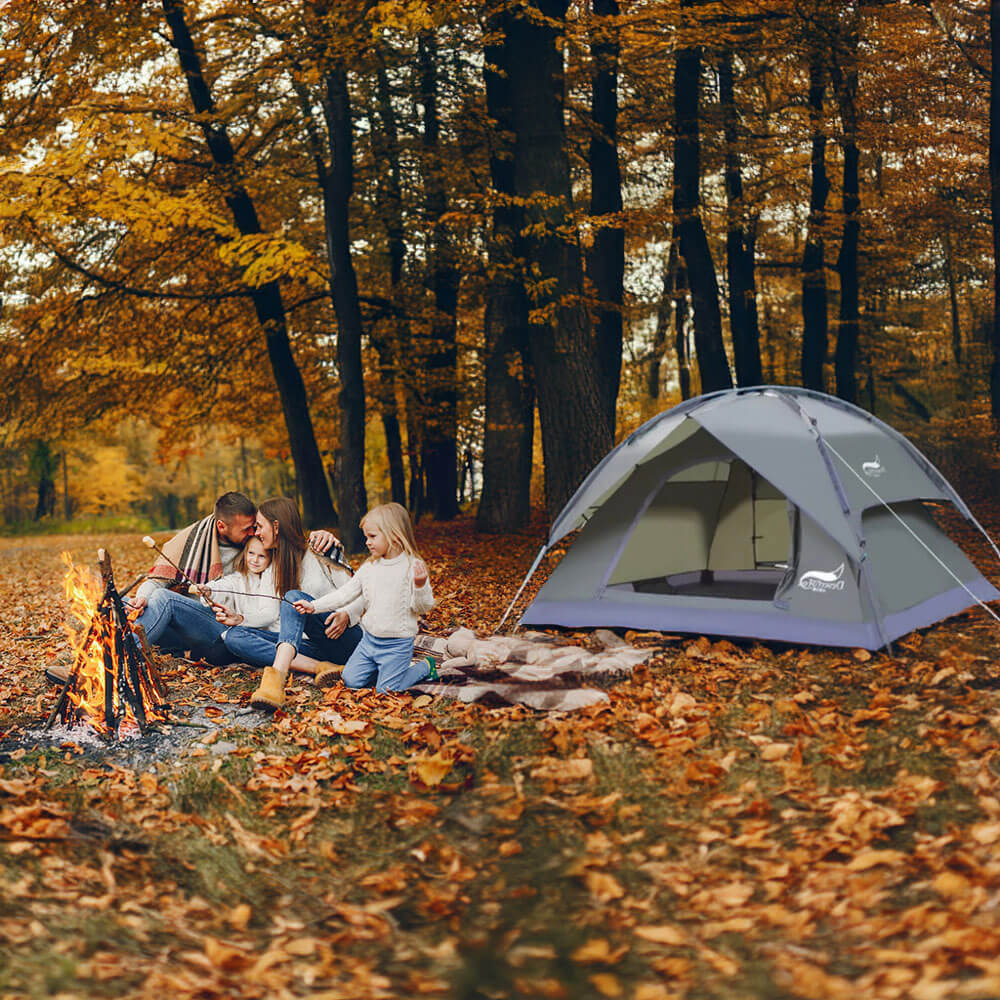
(176,622)
(307,633)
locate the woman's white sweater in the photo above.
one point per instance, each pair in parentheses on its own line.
(382,595)
(318,579)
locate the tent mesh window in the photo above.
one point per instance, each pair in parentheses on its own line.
(729,534)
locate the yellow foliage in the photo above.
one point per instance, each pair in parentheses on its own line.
(103,481)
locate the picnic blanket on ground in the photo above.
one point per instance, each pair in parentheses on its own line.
(195,549)
(531,669)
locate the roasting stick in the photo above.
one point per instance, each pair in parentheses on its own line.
(148,541)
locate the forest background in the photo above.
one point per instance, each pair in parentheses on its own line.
(448,253)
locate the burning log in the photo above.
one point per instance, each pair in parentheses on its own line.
(113,676)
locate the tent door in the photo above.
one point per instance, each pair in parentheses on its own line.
(713,529)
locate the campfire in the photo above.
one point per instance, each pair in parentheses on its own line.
(113,685)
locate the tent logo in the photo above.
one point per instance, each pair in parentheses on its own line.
(873,469)
(821,582)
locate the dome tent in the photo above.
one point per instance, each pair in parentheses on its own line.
(772,513)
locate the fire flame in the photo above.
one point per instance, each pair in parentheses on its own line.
(98,649)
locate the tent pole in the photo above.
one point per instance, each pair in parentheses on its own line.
(524,583)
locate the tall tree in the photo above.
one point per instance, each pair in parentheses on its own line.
(994,168)
(814,318)
(337,184)
(317,506)
(389,196)
(505,502)
(844,74)
(575,431)
(713,365)
(438,360)
(740,264)
(606,261)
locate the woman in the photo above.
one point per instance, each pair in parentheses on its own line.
(299,574)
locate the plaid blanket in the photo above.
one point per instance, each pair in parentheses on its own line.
(195,549)
(531,669)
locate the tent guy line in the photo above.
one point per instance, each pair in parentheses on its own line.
(868,486)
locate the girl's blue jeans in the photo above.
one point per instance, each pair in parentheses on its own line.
(386,663)
(307,633)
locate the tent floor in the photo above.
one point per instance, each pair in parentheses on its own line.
(742,585)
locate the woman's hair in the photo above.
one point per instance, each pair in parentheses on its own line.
(241,559)
(394,522)
(289,542)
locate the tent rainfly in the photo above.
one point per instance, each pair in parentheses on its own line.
(773,513)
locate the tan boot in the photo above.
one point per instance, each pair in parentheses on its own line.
(327,674)
(270,692)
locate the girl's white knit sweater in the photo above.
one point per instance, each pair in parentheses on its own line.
(383,596)
(255,598)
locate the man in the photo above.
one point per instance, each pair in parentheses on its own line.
(204,551)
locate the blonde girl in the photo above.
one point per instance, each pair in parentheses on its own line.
(387,594)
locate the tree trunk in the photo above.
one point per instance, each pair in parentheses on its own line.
(267,302)
(505,503)
(414,453)
(952,279)
(740,265)
(338,183)
(995,202)
(389,193)
(606,261)
(671,314)
(440,414)
(814,318)
(664,313)
(681,313)
(709,347)
(575,431)
(846,84)
(67,502)
(42,465)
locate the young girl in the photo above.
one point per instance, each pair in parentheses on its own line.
(247,601)
(388,593)
(245,596)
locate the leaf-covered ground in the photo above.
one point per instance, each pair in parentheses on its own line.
(741,821)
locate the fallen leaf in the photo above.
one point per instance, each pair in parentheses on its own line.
(605,887)
(866,859)
(432,770)
(597,950)
(985,833)
(662,934)
(606,984)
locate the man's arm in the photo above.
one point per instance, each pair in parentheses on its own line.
(141,597)
(323,542)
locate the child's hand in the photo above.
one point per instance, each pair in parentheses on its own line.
(226,617)
(337,624)
(304,607)
(419,573)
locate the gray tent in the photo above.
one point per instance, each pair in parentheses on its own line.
(774,513)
